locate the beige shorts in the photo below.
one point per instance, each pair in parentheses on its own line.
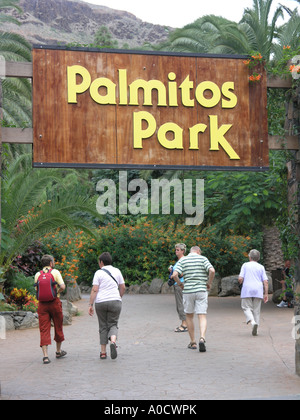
(195,303)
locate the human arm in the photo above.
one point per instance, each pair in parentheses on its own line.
(211,276)
(122,289)
(93,295)
(175,276)
(59,280)
(266,287)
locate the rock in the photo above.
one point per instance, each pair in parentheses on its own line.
(155,286)
(69,307)
(230,286)
(166,289)
(144,288)
(9,322)
(73,292)
(216,286)
(133,289)
(30,320)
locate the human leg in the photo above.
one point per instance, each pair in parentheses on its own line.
(113,315)
(180,309)
(44,327)
(58,318)
(201,310)
(247,306)
(251,308)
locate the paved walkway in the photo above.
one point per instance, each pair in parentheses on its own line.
(153,362)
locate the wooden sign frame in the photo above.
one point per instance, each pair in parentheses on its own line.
(144,110)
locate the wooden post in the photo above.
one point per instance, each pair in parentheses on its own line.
(1,118)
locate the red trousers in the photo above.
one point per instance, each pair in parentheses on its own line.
(47,311)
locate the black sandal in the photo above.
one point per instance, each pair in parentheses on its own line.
(192,346)
(103,356)
(46,360)
(113,350)
(181,328)
(202,347)
(60,354)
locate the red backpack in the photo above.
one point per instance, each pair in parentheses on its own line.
(46,287)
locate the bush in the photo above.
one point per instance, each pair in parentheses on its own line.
(143,251)
(20,299)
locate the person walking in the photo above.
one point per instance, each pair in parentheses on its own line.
(254,281)
(198,275)
(108,289)
(49,306)
(180,250)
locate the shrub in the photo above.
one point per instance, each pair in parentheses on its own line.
(20,299)
(144,251)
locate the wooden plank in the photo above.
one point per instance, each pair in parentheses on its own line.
(288,143)
(17,135)
(279,83)
(18,69)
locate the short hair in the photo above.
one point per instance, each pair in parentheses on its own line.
(254,255)
(195,249)
(46,260)
(181,246)
(106,258)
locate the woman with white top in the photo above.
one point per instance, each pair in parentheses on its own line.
(108,289)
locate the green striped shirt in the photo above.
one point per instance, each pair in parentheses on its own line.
(194,268)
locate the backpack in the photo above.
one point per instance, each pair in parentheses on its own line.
(46,287)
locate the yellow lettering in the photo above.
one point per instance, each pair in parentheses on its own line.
(73,88)
(227,87)
(177,142)
(110,97)
(208,102)
(122,87)
(186,87)
(172,90)
(148,87)
(138,133)
(217,137)
(194,131)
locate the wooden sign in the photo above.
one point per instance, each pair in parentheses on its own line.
(120,109)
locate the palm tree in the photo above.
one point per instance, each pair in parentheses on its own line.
(261,32)
(27,212)
(215,34)
(16,91)
(9,4)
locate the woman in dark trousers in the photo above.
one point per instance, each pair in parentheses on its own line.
(108,289)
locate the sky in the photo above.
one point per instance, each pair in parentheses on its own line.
(178,13)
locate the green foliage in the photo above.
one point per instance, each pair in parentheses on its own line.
(28,213)
(144,251)
(103,38)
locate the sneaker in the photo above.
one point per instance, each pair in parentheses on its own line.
(254,329)
(282,304)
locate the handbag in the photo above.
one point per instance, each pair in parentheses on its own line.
(171,281)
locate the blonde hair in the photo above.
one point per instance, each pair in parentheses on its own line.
(181,246)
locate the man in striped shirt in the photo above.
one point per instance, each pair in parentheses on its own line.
(198,276)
